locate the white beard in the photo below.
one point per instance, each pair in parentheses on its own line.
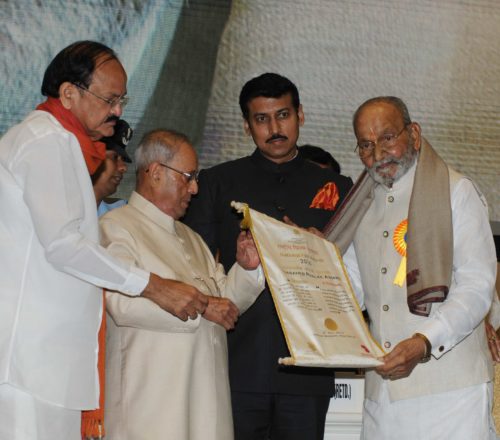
(403,164)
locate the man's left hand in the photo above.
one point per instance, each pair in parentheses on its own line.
(246,251)
(222,311)
(401,361)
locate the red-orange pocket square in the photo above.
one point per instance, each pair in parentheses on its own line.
(326,198)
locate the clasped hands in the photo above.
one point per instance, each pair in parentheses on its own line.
(187,302)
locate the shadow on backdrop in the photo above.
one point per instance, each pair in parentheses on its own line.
(180,99)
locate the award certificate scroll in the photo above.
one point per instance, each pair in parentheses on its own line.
(321,319)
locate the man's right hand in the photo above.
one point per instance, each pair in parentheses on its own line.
(178,298)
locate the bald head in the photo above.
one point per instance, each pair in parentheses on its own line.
(393,101)
(167,171)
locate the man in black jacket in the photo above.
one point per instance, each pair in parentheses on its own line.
(269,400)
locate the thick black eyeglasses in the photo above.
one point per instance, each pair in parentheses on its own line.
(193,175)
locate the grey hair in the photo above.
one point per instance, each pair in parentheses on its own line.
(158,146)
(392,100)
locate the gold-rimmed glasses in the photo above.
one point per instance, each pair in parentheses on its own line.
(386,141)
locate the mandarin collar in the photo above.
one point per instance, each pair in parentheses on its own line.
(146,208)
(268,165)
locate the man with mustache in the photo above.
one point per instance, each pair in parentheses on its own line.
(269,400)
(54,268)
(167,379)
(422,260)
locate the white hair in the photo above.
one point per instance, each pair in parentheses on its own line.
(158,146)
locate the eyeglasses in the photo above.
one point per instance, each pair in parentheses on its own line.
(122,101)
(365,148)
(193,175)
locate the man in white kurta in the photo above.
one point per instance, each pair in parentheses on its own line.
(167,379)
(448,396)
(50,305)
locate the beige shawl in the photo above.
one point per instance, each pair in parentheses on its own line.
(430,232)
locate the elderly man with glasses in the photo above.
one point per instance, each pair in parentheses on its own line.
(421,257)
(53,268)
(167,379)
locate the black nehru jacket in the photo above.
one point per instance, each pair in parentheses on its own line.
(276,190)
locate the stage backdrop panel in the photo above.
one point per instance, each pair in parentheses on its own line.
(187,61)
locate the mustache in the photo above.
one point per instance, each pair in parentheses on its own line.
(112,118)
(387,161)
(277,136)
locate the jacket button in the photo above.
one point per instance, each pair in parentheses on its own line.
(387,344)
(391,199)
(385,234)
(385,307)
(383,270)
(441,348)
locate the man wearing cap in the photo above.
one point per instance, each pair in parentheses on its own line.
(108,176)
(105,182)
(51,297)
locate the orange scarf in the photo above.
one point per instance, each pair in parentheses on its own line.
(94,152)
(93,421)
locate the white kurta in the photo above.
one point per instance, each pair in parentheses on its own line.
(50,307)
(455,327)
(165,378)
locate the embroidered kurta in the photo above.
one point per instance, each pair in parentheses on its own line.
(165,378)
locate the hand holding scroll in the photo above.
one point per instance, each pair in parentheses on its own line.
(401,361)
(246,251)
